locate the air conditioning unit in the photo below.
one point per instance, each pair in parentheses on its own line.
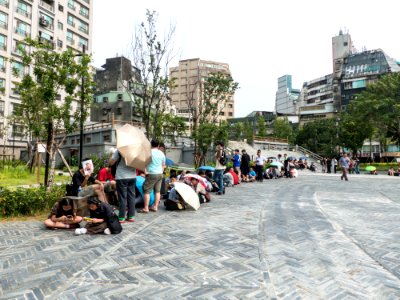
(43,22)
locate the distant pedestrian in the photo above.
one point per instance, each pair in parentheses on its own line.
(236,159)
(259,166)
(344,163)
(245,165)
(220,162)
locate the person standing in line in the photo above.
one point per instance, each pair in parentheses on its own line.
(245,165)
(220,162)
(236,159)
(154,177)
(334,164)
(259,166)
(125,178)
(344,164)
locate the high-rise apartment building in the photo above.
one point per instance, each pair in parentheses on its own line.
(60,23)
(186,95)
(286,99)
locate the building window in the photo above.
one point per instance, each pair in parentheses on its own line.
(222,113)
(230,105)
(230,114)
(84,12)
(3,42)
(71,4)
(17,68)
(3,20)
(84,27)
(2,64)
(18,46)
(119,111)
(107,138)
(60,25)
(70,37)
(22,28)
(83,42)
(72,141)
(60,7)
(70,20)
(105,99)
(1,108)
(88,140)
(24,9)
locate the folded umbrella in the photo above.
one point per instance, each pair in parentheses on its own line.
(188,194)
(134,146)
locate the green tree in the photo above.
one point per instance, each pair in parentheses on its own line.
(216,90)
(319,136)
(283,129)
(152,57)
(168,126)
(52,74)
(236,131)
(248,132)
(261,127)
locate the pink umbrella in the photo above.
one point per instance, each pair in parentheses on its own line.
(202,180)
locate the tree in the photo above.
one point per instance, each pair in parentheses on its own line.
(236,131)
(151,57)
(168,126)
(39,111)
(248,132)
(216,90)
(319,136)
(283,129)
(375,113)
(261,127)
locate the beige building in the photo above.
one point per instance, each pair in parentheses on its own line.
(188,81)
(60,23)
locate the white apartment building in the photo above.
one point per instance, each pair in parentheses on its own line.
(60,23)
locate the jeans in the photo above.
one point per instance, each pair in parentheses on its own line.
(126,197)
(219,179)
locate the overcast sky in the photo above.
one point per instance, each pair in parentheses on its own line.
(260,40)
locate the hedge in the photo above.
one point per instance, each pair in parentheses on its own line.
(28,201)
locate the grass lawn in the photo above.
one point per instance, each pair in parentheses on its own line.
(20,175)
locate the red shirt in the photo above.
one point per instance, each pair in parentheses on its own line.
(104,175)
(235,177)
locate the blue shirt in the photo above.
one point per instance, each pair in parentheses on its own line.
(236,160)
(157,162)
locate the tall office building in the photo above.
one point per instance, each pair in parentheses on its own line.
(60,23)
(189,76)
(286,99)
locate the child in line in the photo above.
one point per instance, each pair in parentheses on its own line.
(63,215)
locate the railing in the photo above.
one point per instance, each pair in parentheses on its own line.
(46,6)
(308,152)
(270,139)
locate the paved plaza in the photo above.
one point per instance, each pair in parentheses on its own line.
(312,237)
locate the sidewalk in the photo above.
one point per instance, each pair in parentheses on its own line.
(312,237)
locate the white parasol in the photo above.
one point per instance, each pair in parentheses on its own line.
(188,194)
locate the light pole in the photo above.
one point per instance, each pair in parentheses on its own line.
(82,111)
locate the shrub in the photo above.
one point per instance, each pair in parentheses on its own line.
(28,201)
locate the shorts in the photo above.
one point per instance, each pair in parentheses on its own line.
(87,191)
(237,169)
(153,181)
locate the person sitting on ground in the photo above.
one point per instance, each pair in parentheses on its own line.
(200,190)
(210,178)
(228,178)
(209,185)
(108,181)
(100,212)
(234,175)
(391,171)
(63,215)
(252,175)
(270,173)
(312,167)
(171,181)
(88,184)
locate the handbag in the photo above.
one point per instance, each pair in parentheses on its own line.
(113,224)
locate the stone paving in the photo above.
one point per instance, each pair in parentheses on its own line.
(312,237)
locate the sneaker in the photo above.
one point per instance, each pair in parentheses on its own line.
(80,231)
(121,220)
(107,231)
(131,219)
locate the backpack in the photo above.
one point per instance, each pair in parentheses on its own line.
(223,160)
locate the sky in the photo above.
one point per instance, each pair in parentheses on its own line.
(260,40)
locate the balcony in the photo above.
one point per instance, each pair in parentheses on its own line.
(44,23)
(70,40)
(3,47)
(84,13)
(48,43)
(71,6)
(71,23)
(2,69)
(47,6)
